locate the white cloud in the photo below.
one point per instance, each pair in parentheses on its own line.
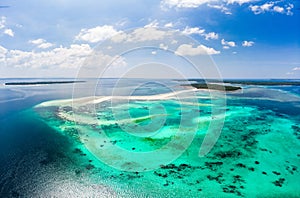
(9,32)
(240,2)
(41,43)
(153,24)
(221,7)
(141,35)
(37,41)
(289,8)
(194,30)
(228,43)
(4,29)
(201,32)
(96,34)
(278,9)
(2,22)
(62,57)
(3,52)
(211,35)
(272,7)
(147,34)
(174,41)
(120,37)
(226,47)
(293,71)
(267,6)
(196,3)
(163,46)
(247,43)
(184,3)
(262,8)
(169,25)
(296,69)
(45,45)
(189,50)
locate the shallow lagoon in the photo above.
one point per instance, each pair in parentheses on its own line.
(257,153)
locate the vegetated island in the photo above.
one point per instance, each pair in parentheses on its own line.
(268,82)
(211,84)
(42,82)
(263,83)
(202,84)
(215,87)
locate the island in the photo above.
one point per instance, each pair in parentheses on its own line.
(264,82)
(215,87)
(42,82)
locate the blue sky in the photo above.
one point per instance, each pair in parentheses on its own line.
(250,38)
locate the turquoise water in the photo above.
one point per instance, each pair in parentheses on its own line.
(256,155)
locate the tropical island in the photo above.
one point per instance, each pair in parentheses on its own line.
(42,82)
(216,84)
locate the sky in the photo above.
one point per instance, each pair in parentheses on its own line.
(244,38)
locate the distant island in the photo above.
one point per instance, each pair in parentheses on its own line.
(276,82)
(42,82)
(215,87)
(212,84)
(262,82)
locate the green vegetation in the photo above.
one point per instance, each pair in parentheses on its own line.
(263,83)
(214,87)
(42,82)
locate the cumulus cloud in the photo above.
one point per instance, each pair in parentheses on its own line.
(211,35)
(221,7)
(201,32)
(197,3)
(240,2)
(163,46)
(3,52)
(71,57)
(247,43)
(2,22)
(153,24)
(169,25)
(147,34)
(9,32)
(141,35)
(62,57)
(41,43)
(96,34)
(193,30)
(272,7)
(37,41)
(189,50)
(45,45)
(184,3)
(278,9)
(227,44)
(4,29)
(258,9)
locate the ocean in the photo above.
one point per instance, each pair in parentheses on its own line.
(102,146)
